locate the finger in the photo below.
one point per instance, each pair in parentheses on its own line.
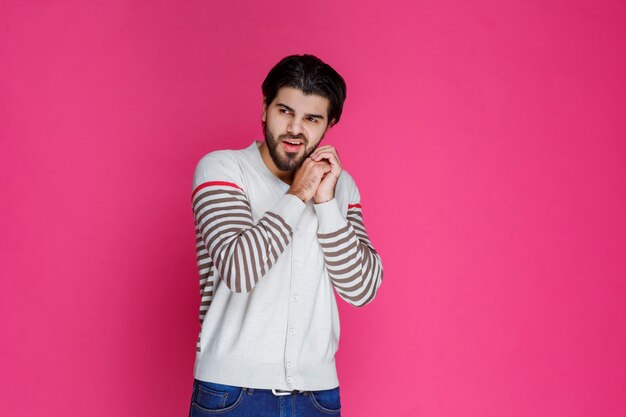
(330,157)
(323,152)
(324,155)
(321,170)
(324,148)
(325,165)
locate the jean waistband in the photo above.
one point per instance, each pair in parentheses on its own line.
(276,392)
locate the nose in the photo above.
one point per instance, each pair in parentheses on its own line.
(294,127)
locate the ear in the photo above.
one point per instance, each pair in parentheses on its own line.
(264,114)
(332,123)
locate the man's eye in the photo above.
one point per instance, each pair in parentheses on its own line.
(312,119)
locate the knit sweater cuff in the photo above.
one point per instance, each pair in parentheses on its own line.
(290,209)
(329,216)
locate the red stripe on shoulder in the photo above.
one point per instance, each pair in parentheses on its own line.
(354,206)
(214,184)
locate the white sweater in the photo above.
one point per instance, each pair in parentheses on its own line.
(268,264)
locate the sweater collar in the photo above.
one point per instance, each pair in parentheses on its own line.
(257,159)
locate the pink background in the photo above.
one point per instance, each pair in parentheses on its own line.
(488,141)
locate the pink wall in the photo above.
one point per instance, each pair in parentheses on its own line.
(487,138)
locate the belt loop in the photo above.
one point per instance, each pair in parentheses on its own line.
(250,391)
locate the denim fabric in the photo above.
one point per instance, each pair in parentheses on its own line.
(211,399)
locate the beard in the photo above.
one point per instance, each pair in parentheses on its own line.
(288,161)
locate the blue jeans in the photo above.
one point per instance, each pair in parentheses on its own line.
(211,399)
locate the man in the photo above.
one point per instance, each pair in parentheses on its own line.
(278,227)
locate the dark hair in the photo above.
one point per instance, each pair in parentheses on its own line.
(309,74)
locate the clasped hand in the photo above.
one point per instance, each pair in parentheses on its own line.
(317,176)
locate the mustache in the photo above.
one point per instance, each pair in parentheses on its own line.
(290,136)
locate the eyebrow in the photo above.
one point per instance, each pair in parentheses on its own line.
(316,116)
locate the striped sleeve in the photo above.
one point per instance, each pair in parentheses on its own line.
(208,275)
(241,251)
(353,264)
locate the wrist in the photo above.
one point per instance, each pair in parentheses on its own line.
(297,194)
(322,199)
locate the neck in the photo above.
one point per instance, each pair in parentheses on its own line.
(284,176)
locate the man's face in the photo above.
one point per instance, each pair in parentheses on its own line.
(295,124)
